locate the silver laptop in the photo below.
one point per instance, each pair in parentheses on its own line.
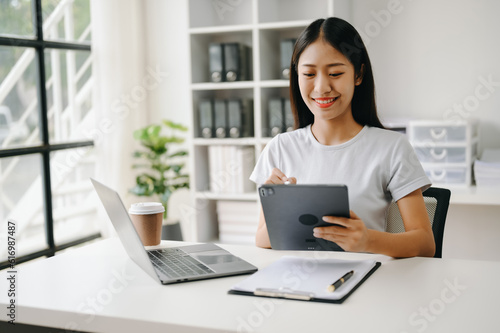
(169,265)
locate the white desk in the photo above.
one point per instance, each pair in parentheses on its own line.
(98,288)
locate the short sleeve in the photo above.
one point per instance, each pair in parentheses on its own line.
(406,172)
(268,160)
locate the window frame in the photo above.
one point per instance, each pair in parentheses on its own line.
(39,44)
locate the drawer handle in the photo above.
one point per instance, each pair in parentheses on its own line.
(438,134)
(437,156)
(438,175)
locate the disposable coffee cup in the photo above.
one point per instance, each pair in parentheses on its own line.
(147,218)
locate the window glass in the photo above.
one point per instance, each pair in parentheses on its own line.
(74,201)
(16,18)
(68,77)
(19,114)
(21,200)
(66,20)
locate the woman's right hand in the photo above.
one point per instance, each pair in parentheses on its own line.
(278,177)
(262,237)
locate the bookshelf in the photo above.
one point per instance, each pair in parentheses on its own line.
(260,25)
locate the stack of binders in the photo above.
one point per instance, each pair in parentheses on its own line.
(280,116)
(232,118)
(229,62)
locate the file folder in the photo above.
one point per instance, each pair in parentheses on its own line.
(206,118)
(220,111)
(240,118)
(216,62)
(235,62)
(286,52)
(276,116)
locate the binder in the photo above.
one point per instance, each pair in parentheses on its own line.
(275,113)
(235,62)
(286,48)
(206,118)
(220,111)
(240,117)
(235,118)
(289,121)
(306,279)
(216,61)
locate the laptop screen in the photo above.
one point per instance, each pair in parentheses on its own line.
(124,228)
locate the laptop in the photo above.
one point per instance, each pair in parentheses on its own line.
(169,265)
(293,211)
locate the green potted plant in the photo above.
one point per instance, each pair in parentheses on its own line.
(163,168)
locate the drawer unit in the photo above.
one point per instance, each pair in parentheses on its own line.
(440,154)
(442,131)
(447,175)
(446,149)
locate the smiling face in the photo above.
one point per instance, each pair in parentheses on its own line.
(326,80)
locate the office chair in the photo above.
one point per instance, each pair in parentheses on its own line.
(436,201)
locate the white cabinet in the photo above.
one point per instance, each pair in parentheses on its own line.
(260,25)
(446,149)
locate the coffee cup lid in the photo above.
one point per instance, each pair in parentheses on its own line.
(145,208)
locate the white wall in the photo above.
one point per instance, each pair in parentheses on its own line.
(168,48)
(430,56)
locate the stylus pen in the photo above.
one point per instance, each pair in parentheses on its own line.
(334,286)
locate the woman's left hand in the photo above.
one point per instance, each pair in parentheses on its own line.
(350,234)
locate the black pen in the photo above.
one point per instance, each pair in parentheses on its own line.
(334,286)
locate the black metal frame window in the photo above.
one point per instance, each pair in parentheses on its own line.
(47,145)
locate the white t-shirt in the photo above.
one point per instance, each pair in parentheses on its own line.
(377,166)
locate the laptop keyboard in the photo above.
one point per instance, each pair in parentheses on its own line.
(175,263)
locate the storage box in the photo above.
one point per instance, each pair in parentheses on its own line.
(446,149)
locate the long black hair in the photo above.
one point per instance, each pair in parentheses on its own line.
(343,37)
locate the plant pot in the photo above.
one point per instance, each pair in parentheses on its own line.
(171,230)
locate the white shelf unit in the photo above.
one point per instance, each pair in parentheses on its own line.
(260,25)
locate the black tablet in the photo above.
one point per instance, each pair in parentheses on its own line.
(293,211)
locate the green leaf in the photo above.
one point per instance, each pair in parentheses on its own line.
(176,167)
(178,154)
(140,134)
(153,131)
(160,167)
(174,139)
(141,190)
(145,184)
(165,195)
(182,185)
(138,166)
(140,154)
(175,126)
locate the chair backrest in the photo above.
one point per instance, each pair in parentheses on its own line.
(436,201)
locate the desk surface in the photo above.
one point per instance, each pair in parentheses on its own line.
(98,288)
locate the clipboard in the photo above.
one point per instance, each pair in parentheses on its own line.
(306,279)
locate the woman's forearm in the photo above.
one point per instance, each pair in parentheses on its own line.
(407,244)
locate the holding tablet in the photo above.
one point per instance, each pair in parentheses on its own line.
(293,211)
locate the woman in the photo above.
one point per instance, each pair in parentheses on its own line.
(340,140)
